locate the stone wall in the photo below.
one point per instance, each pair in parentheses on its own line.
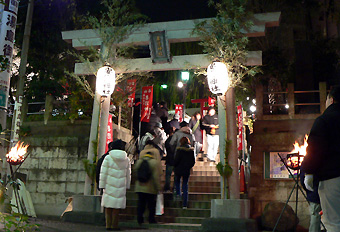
(275,136)
(54,169)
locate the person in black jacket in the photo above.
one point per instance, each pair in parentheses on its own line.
(162,113)
(323,160)
(195,126)
(184,161)
(169,161)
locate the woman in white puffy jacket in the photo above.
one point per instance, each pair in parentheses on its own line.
(115,178)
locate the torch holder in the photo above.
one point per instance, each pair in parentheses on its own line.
(296,185)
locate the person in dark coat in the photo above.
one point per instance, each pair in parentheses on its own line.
(169,161)
(314,204)
(184,161)
(174,123)
(323,160)
(154,119)
(162,113)
(195,126)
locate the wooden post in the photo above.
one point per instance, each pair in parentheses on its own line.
(48,107)
(291,100)
(323,96)
(259,102)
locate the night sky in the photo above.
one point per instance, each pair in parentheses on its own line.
(170,10)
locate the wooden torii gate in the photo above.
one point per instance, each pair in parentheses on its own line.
(176,32)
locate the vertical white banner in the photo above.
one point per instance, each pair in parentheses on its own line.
(7,35)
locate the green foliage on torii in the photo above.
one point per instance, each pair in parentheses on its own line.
(224,38)
(115,24)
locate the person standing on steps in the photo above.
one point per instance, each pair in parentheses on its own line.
(115,178)
(195,126)
(184,161)
(162,113)
(210,124)
(185,131)
(169,161)
(147,190)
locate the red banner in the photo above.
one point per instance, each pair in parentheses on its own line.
(109,133)
(179,111)
(131,99)
(211,101)
(131,88)
(240,128)
(147,94)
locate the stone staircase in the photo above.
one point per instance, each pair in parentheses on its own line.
(204,185)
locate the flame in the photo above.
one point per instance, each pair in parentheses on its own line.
(17,153)
(301,150)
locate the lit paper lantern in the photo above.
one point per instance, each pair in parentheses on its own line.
(106,81)
(218,79)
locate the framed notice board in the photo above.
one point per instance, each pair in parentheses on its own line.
(274,168)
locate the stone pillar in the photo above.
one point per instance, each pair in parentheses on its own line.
(222,133)
(234,180)
(104,116)
(93,137)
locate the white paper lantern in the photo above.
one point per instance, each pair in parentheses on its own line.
(218,79)
(106,81)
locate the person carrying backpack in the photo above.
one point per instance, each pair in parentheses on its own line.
(147,186)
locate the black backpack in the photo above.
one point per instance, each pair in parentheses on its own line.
(144,171)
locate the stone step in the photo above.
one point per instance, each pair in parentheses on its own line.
(173,212)
(205,173)
(164,226)
(176,204)
(163,219)
(205,168)
(204,185)
(193,196)
(129,221)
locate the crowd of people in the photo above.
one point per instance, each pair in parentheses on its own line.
(178,143)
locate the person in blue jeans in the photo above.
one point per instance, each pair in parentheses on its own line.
(184,161)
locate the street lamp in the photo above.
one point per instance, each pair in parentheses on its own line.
(185,75)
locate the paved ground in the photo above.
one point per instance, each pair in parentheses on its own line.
(59,226)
